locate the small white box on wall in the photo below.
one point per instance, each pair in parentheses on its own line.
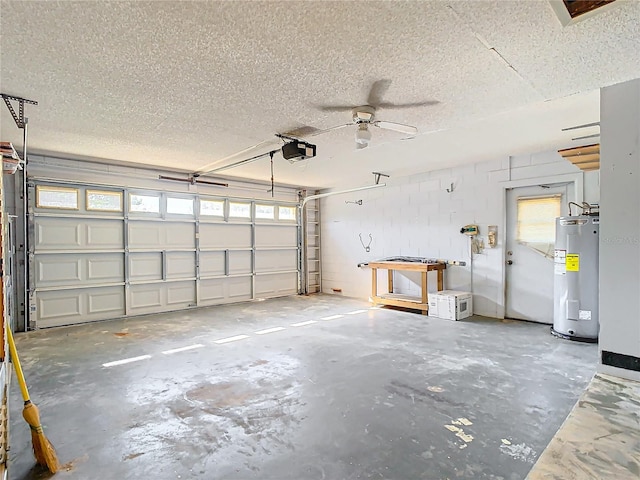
(453,305)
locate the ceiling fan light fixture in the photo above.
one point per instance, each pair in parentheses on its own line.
(363,135)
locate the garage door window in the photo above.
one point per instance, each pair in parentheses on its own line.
(287,213)
(180,206)
(56,197)
(104,201)
(212,208)
(265,212)
(239,210)
(144,203)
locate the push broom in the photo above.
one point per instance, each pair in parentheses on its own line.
(42,449)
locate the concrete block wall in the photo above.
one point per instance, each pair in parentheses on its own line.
(417,216)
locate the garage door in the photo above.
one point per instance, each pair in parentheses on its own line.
(100,253)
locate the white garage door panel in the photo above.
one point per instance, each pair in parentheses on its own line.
(57,233)
(180,235)
(145,266)
(105,268)
(181,264)
(55,270)
(78,233)
(181,294)
(225,290)
(276,285)
(107,301)
(145,298)
(161,235)
(104,234)
(212,290)
(53,305)
(276,260)
(239,288)
(144,234)
(276,236)
(211,263)
(56,308)
(223,235)
(162,297)
(239,262)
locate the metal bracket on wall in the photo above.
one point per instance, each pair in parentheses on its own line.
(377,175)
(17,117)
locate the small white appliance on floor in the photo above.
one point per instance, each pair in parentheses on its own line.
(451,304)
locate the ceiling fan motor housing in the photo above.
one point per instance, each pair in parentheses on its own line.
(363,114)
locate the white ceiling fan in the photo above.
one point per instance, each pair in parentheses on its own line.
(364,116)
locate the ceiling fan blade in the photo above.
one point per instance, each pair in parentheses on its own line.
(398,106)
(396,127)
(378,89)
(326,130)
(300,132)
(335,108)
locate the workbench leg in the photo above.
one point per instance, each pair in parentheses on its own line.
(374,285)
(390,274)
(425,292)
(440,280)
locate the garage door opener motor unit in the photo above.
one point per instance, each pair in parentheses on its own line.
(297,150)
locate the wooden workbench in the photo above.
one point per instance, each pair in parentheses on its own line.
(418,303)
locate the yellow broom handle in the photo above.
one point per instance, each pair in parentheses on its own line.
(16,364)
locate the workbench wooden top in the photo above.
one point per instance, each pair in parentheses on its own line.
(415,266)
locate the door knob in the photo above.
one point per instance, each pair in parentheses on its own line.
(509,262)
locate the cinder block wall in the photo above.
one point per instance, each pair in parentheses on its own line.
(416,216)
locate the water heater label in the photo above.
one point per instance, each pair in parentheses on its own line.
(560,256)
(559,269)
(584,314)
(573,262)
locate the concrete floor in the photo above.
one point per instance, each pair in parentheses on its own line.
(360,393)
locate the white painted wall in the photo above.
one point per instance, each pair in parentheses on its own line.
(620,223)
(416,216)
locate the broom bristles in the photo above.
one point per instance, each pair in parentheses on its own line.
(44,452)
(42,449)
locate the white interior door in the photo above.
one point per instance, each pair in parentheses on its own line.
(531,214)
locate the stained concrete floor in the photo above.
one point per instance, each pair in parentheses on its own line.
(360,393)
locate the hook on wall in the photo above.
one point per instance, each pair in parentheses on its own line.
(357,202)
(367,248)
(450,189)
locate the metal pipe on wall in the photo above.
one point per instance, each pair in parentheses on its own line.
(330,194)
(25,206)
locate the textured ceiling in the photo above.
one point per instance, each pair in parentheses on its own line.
(186,84)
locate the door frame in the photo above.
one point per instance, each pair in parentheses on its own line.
(577,179)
